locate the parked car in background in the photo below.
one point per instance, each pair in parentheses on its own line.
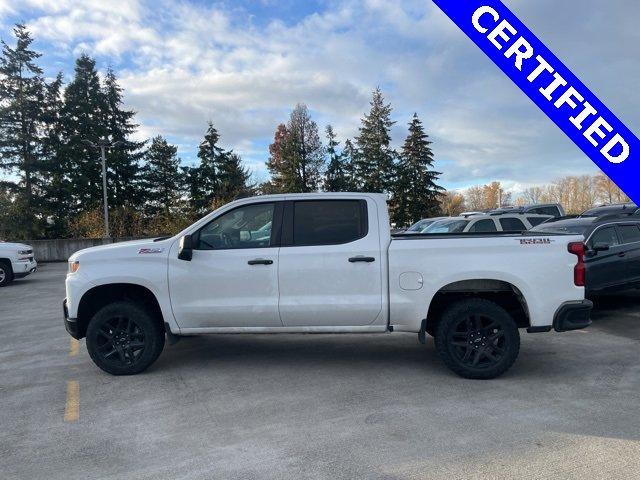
(553,209)
(612,256)
(16,261)
(420,225)
(629,208)
(486,223)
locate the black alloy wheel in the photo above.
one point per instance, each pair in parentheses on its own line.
(124,338)
(121,341)
(476,338)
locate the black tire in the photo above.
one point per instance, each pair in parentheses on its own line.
(477,338)
(123,338)
(6,273)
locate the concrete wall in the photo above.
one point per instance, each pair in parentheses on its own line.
(59,250)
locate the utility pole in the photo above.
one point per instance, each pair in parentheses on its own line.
(103,145)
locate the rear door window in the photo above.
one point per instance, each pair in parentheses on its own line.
(629,233)
(606,235)
(328,222)
(550,210)
(535,221)
(512,224)
(482,226)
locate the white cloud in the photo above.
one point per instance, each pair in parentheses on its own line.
(183,64)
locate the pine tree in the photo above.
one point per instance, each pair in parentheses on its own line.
(350,153)
(161,177)
(83,119)
(336,177)
(21,96)
(123,160)
(233,179)
(297,154)
(374,164)
(210,155)
(57,189)
(415,194)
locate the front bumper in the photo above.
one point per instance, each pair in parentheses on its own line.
(70,324)
(572,316)
(22,269)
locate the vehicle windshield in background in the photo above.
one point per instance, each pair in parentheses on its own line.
(419,226)
(447,226)
(574,226)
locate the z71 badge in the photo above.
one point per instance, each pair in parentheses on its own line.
(150,250)
(535,241)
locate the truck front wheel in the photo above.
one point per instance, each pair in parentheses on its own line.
(124,339)
(477,338)
(6,274)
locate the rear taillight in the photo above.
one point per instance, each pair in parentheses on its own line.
(579,271)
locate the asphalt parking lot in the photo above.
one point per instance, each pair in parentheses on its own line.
(314,406)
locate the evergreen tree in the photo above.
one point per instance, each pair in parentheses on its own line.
(21,96)
(211,156)
(123,160)
(415,194)
(193,190)
(297,154)
(83,119)
(336,177)
(350,153)
(233,179)
(57,190)
(161,177)
(374,164)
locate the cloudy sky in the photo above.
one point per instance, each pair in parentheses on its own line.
(244,64)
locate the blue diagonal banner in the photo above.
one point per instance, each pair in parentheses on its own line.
(551,86)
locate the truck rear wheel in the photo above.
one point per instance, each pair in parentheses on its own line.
(6,273)
(124,339)
(477,338)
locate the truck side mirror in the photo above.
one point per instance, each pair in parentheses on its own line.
(598,247)
(185,251)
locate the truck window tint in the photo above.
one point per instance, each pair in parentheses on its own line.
(480,226)
(606,235)
(535,221)
(551,210)
(328,222)
(512,225)
(629,233)
(243,227)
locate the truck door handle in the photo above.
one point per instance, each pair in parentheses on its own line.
(362,259)
(260,261)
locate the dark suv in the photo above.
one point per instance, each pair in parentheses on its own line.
(613,249)
(612,208)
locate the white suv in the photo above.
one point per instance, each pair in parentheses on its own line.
(16,261)
(487,223)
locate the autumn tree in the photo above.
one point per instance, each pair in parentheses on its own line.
(452,204)
(296,155)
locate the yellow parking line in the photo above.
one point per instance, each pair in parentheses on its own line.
(72,407)
(74,347)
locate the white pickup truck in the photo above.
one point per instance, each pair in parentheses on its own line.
(324,263)
(16,261)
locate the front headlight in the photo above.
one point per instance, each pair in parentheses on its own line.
(74,266)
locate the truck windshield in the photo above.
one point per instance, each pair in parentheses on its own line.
(447,226)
